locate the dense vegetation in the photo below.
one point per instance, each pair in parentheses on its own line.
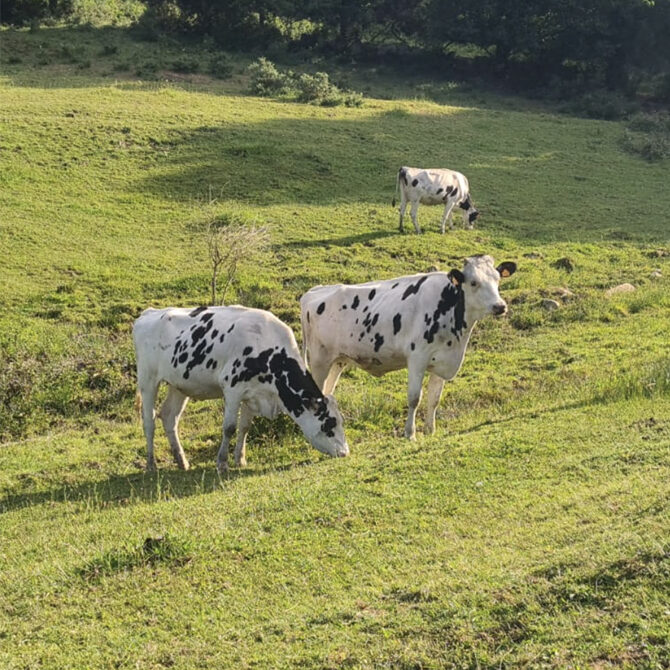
(531,530)
(562,48)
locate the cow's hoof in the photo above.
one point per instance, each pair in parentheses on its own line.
(151,466)
(242,463)
(222,469)
(429,430)
(184,465)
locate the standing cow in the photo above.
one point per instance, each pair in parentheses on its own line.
(434,187)
(421,322)
(248,356)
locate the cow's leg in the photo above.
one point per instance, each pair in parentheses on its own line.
(319,369)
(333,377)
(246,417)
(148,389)
(433,393)
(403,207)
(232,407)
(170,413)
(446,216)
(415,379)
(412,212)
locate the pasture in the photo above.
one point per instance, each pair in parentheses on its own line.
(532,530)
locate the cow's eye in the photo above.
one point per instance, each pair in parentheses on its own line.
(473,283)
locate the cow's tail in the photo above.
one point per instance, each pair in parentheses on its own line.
(397,188)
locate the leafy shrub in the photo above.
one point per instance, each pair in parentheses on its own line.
(220,66)
(600,104)
(267,80)
(648,135)
(314,87)
(147,70)
(20,12)
(186,64)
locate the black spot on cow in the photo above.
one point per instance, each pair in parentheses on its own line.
(396,323)
(247,350)
(356,302)
(403,175)
(473,216)
(208,365)
(465,204)
(320,308)
(426,318)
(252,367)
(375,318)
(196,311)
(200,332)
(343,307)
(207,316)
(394,285)
(454,193)
(379,340)
(372,294)
(412,346)
(439,190)
(451,298)
(231,328)
(356,320)
(182,358)
(298,391)
(414,288)
(415,182)
(198,356)
(365,309)
(307,317)
(221,338)
(215,332)
(449,343)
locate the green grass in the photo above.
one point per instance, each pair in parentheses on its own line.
(530,531)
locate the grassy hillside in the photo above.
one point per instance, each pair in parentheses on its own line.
(532,529)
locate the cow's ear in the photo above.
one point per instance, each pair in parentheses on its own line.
(506,269)
(456,276)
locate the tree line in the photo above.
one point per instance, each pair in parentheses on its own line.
(605,43)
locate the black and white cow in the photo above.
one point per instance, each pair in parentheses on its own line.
(421,322)
(434,187)
(248,356)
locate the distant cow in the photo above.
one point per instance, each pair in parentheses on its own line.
(248,356)
(434,187)
(421,322)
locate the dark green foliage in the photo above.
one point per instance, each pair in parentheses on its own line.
(648,135)
(19,12)
(186,64)
(220,66)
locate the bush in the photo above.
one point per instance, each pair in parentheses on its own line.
(147,70)
(267,80)
(648,135)
(186,64)
(315,88)
(220,66)
(600,104)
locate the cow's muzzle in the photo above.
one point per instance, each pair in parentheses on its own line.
(499,309)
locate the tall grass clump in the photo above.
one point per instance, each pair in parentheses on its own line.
(652,381)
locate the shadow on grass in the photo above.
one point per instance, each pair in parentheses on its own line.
(122,490)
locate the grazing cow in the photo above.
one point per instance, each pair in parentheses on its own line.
(434,187)
(248,356)
(421,322)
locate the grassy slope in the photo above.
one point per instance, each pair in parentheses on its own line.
(531,529)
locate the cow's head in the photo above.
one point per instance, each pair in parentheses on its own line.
(326,429)
(471,211)
(479,282)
